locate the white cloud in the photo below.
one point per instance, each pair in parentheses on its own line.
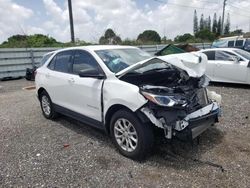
(125,17)
(12,16)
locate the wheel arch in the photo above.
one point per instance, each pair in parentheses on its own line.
(114,108)
(39,91)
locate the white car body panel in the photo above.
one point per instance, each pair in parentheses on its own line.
(119,92)
(193,63)
(228,71)
(84,95)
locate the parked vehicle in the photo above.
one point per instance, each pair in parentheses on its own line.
(30,72)
(176,49)
(228,65)
(233,42)
(128,93)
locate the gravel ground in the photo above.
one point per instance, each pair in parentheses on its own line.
(32,152)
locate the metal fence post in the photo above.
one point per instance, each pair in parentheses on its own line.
(32,58)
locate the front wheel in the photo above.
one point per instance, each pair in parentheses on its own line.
(132,138)
(47,106)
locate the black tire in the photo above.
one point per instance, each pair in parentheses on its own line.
(52,113)
(145,136)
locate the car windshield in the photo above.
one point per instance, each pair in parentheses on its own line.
(243,53)
(119,59)
(45,58)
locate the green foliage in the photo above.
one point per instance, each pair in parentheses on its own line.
(205,35)
(195,26)
(227,25)
(28,41)
(149,37)
(129,42)
(202,24)
(187,37)
(110,37)
(215,24)
(237,32)
(209,23)
(165,40)
(218,33)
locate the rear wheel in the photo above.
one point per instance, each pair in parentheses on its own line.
(132,138)
(47,106)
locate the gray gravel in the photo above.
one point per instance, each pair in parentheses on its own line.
(32,152)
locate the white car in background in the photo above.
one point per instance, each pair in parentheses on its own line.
(230,65)
(128,93)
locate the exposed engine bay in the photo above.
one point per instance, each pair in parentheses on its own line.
(172,96)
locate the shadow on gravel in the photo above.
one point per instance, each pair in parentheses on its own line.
(182,155)
(176,154)
(86,130)
(230,85)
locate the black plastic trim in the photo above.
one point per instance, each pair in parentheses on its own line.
(79,117)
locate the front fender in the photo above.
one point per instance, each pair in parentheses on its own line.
(122,93)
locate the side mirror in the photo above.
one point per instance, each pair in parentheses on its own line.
(91,73)
(235,59)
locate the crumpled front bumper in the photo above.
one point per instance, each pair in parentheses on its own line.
(198,125)
(192,125)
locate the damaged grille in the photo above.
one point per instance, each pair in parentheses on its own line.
(198,100)
(202,97)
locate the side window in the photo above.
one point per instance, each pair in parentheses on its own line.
(63,61)
(231,43)
(210,55)
(239,43)
(52,63)
(224,56)
(83,61)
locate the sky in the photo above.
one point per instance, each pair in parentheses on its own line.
(127,18)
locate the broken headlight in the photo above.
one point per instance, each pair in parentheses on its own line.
(163,100)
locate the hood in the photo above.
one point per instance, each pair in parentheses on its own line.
(193,63)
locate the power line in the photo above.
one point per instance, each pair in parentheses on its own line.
(211,2)
(238,8)
(186,6)
(230,4)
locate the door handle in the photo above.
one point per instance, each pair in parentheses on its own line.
(71,80)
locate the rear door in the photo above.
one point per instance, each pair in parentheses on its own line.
(86,93)
(58,78)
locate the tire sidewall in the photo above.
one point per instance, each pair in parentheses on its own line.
(44,93)
(140,148)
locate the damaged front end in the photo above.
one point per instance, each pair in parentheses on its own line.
(181,112)
(178,101)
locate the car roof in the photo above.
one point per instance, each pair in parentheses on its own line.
(97,47)
(219,49)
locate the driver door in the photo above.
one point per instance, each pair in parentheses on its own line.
(85,92)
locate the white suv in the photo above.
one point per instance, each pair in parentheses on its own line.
(128,93)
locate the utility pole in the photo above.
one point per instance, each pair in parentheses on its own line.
(223,16)
(71,22)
